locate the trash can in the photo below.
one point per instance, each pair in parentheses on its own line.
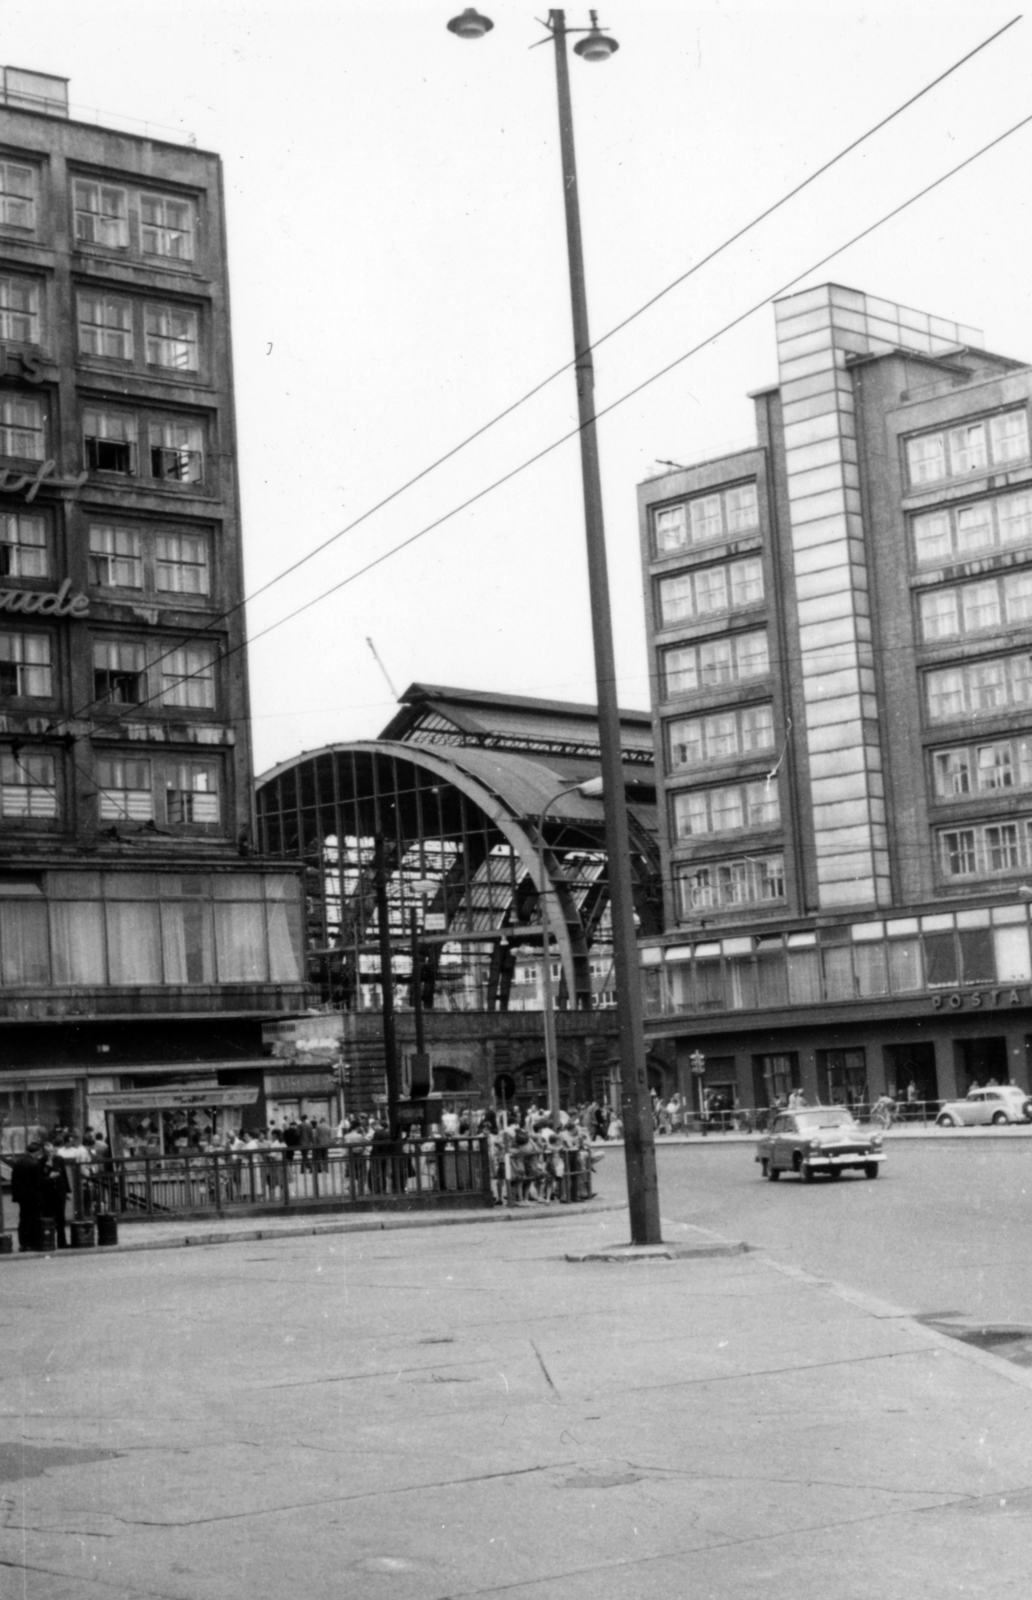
(107,1228)
(46,1235)
(83,1235)
(6,1244)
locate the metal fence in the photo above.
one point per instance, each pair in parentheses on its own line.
(370,1173)
(745,1119)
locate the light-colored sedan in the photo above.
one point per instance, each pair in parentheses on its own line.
(999,1104)
(818,1139)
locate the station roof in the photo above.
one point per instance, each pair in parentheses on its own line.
(433,714)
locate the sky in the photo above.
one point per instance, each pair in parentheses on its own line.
(398,278)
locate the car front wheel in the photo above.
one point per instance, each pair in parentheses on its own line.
(945,1120)
(998,1117)
(773,1174)
(806,1173)
(871,1169)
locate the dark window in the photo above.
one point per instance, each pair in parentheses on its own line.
(941,961)
(976,955)
(109,455)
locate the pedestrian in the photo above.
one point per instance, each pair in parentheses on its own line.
(27,1191)
(56,1189)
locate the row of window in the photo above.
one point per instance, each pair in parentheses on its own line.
(972,607)
(94,943)
(120,557)
(983,768)
(728,885)
(997,683)
(769,975)
(710,591)
(969,447)
(174,446)
(981,852)
(705,518)
(955,533)
(110,326)
(731,659)
(125,672)
(173,792)
(738,805)
(721,736)
(161,226)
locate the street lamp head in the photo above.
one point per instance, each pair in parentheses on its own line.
(470,25)
(598,46)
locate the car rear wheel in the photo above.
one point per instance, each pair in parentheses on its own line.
(871,1170)
(945,1120)
(806,1173)
(999,1116)
(835,1172)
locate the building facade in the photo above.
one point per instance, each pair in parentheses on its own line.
(840,632)
(142,940)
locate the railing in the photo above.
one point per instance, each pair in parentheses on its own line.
(743,1119)
(367,1174)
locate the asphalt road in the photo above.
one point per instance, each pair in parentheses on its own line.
(947,1227)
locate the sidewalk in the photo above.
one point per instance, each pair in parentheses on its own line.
(434,1412)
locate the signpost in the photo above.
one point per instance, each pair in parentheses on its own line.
(698,1065)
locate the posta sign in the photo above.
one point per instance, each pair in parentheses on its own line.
(46,603)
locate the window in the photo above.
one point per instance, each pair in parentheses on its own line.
(979,686)
(181,565)
(967,532)
(749,880)
(21,427)
(110,441)
(101,214)
(115,559)
(171,337)
(753,805)
(28,785)
(192,793)
(124,790)
(23,546)
(949,613)
(710,591)
(25,666)
(19,310)
(17,195)
(188,677)
(119,672)
(720,737)
(939,616)
(166,227)
(177,451)
(971,447)
(105,326)
(705,518)
(981,851)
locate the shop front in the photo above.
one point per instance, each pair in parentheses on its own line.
(168,1120)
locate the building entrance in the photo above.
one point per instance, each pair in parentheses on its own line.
(982,1061)
(907,1064)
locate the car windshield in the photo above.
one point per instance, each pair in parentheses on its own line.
(828,1117)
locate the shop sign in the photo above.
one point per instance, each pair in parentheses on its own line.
(292,1083)
(30,481)
(981,1000)
(170,1099)
(51,603)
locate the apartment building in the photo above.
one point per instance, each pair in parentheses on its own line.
(840,634)
(142,942)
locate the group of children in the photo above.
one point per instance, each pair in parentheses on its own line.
(541,1164)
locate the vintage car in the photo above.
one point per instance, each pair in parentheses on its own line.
(996,1103)
(818,1139)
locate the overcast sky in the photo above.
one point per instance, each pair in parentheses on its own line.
(398,274)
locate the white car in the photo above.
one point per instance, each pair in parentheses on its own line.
(999,1104)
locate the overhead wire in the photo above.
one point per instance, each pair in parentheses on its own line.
(477,433)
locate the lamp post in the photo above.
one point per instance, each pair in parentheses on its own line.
(636,1105)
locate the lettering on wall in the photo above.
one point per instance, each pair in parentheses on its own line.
(982,999)
(48,603)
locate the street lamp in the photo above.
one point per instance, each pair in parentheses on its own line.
(591,788)
(636,1105)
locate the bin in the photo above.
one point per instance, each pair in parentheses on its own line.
(46,1235)
(107,1228)
(6,1244)
(83,1235)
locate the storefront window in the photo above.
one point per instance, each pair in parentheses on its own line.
(24,946)
(905,972)
(941,959)
(1012,955)
(240,942)
(134,942)
(872,975)
(838,973)
(804,979)
(976,955)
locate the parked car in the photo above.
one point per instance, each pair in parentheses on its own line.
(818,1139)
(998,1103)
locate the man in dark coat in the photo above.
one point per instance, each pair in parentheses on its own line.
(28,1191)
(56,1189)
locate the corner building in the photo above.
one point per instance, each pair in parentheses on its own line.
(840,631)
(141,942)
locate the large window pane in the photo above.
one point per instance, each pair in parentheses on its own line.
(838,973)
(941,960)
(284,923)
(804,982)
(186,929)
(23,942)
(742,994)
(905,966)
(772,978)
(134,942)
(976,955)
(240,942)
(872,975)
(1013,964)
(679,986)
(77,941)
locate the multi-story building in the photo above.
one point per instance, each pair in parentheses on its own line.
(840,629)
(141,942)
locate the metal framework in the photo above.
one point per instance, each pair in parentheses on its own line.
(457,827)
